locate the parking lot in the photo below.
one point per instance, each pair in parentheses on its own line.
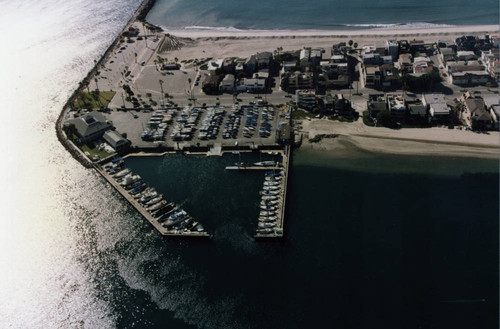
(211,126)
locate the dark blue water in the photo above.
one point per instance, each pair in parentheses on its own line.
(363,249)
(323,15)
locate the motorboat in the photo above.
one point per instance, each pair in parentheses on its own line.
(271,183)
(242,164)
(157,206)
(266,225)
(175,218)
(267,203)
(122,173)
(130,180)
(266,163)
(267,208)
(267,213)
(153,201)
(269,197)
(264,230)
(269,192)
(151,195)
(271,188)
(183,224)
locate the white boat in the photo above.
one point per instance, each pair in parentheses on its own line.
(128,180)
(269,192)
(269,197)
(267,203)
(267,213)
(153,201)
(266,163)
(271,188)
(271,183)
(122,173)
(157,206)
(273,179)
(266,225)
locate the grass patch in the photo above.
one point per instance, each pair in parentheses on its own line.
(93,100)
(300,114)
(367,120)
(95,151)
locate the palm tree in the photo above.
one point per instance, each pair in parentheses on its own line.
(161,87)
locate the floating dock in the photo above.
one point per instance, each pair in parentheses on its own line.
(158,226)
(243,168)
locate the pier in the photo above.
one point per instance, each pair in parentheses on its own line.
(243,168)
(142,210)
(277,230)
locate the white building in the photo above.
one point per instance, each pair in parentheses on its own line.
(227,84)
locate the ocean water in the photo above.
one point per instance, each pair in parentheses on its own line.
(364,248)
(320,15)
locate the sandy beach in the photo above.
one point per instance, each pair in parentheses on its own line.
(390,31)
(357,137)
(236,43)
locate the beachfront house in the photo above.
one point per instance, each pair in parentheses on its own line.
(90,126)
(396,106)
(228,65)
(476,112)
(264,60)
(435,104)
(375,104)
(447,55)
(492,103)
(392,49)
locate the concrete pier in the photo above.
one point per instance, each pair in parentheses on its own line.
(145,213)
(252,168)
(280,222)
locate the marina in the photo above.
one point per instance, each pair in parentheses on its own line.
(171,220)
(166,217)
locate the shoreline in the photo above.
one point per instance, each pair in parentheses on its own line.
(358,138)
(374,32)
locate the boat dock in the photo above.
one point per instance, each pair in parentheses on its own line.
(143,211)
(243,168)
(276,231)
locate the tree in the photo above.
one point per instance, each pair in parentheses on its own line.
(355,46)
(96,85)
(70,130)
(350,43)
(161,86)
(135,54)
(385,119)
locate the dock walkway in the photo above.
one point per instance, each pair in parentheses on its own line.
(163,231)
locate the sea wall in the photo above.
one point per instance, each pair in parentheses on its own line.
(139,14)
